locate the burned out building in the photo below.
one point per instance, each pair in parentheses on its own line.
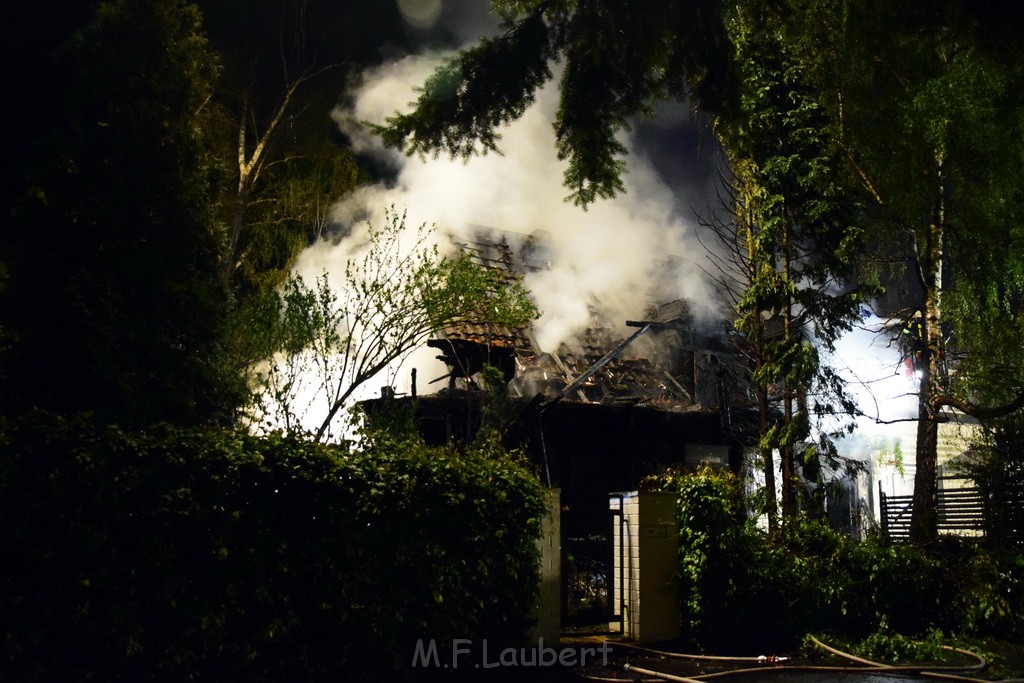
(597,414)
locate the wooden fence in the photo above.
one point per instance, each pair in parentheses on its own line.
(969,511)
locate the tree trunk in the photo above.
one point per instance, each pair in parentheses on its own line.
(789,506)
(786,467)
(924,518)
(238,220)
(757,340)
(768,458)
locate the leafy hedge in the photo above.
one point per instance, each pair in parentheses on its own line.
(744,590)
(186,554)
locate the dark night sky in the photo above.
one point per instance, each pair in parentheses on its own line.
(367,32)
(353,32)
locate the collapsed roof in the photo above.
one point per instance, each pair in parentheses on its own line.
(673,361)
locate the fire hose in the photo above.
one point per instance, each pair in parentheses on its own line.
(865,666)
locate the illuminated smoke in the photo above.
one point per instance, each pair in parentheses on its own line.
(611,261)
(885,389)
(606,264)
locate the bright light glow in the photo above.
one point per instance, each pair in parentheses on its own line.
(420,14)
(886,393)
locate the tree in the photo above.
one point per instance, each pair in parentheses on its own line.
(620,58)
(287,180)
(906,88)
(737,264)
(116,300)
(281,80)
(790,249)
(801,239)
(391,299)
(282,164)
(931,122)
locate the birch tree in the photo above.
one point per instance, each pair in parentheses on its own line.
(283,167)
(906,87)
(930,120)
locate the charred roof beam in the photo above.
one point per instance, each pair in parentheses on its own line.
(608,357)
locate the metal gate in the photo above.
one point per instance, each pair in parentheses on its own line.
(587,566)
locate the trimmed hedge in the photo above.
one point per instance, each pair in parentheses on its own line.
(172,554)
(743,590)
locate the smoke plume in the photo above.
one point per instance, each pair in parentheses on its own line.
(600,267)
(604,265)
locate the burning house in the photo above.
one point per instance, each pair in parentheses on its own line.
(597,414)
(666,393)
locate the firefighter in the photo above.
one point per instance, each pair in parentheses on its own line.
(913,340)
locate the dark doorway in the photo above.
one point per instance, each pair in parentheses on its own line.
(586,571)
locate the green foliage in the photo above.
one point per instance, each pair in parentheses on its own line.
(897,585)
(804,231)
(498,406)
(391,299)
(712,542)
(620,57)
(889,647)
(809,578)
(462,103)
(171,554)
(930,121)
(288,210)
(891,457)
(988,585)
(116,300)
(282,166)
(997,467)
(274,335)
(794,240)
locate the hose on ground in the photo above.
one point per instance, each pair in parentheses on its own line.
(928,671)
(763,659)
(867,665)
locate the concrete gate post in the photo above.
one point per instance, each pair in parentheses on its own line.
(645,588)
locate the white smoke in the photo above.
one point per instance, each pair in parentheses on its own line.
(875,372)
(606,265)
(614,259)
(885,389)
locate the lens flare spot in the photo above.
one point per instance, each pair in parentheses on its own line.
(420,13)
